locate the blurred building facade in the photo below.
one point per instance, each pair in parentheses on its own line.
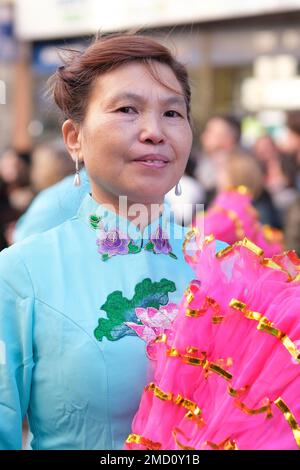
(242,56)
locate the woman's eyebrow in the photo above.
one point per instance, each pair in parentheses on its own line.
(174,99)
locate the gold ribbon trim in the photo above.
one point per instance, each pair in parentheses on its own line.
(178,443)
(227,444)
(189,236)
(142,441)
(209,238)
(237,393)
(246,243)
(204,363)
(296,278)
(159,393)
(290,419)
(255,411)
(266,325)
(271,264)
(189,295)
(209,302)
(194,412)
(232,215)
(267,262)
(195,313)
(218,370)
(161,338)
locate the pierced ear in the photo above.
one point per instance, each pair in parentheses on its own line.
(72,138)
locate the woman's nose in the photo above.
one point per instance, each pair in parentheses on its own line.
(151,131)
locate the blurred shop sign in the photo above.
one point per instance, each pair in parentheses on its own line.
(8,48)
(62,18)
(46,56)
(275,84)
(53,18)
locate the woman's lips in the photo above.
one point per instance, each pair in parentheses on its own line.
(152,161)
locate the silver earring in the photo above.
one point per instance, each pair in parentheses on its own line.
(178,190)
(77,180)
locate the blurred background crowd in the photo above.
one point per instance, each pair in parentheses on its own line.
(244,62)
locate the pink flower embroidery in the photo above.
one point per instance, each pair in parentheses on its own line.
(154,323)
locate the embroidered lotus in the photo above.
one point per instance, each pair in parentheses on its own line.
(154,323)
(120,309)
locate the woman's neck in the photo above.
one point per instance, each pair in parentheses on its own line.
(140,214)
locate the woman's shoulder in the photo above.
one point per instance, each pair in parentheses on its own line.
(35,248)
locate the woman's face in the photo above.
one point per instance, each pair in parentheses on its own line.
(136,138)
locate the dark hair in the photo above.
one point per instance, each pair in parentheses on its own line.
(72,82)
(233,123)
(293,121)
(23,155)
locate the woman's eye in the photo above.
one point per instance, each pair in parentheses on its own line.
(127,110)
(172,113)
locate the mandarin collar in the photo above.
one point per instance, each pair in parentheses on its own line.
(116,235)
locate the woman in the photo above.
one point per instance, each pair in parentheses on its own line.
(70,356)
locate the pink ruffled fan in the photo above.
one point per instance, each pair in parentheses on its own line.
(232,217)
(229,375)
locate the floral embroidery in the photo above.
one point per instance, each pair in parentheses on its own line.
(120,310)
(154,323)
(95,221)
(112,242)
(159,243)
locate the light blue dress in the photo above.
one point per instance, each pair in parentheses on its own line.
(67,359)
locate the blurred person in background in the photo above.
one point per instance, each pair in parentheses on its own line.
(291,146)
(15,191)
(50,164)
(58,199)
(52,206)
(7,215)
(292,227)
(220,138)
(279,173)
(232,215)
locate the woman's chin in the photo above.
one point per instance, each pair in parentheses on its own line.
(147,193)
(145,197)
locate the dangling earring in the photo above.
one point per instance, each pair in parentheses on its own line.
(178,190)
(77,180)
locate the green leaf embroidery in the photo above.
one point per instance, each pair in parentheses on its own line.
(94,221)
(105,257)
(173,255)
(149,246)
(119,309)
(132,248)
